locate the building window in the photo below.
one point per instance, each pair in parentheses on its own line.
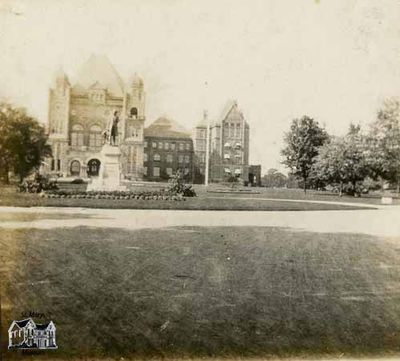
(187,146)
(144,170)
(133,132)
(145,144)
(58,164)
(156,171)
(180,159)
(134,112)
(160,145)
(187,159)
(181,146)
(75,167)
(169,158)
(52,164)
(166,146)
(186,171)
(156,157)
(169,171)
(227,156)
(172,146)
(238,131)
(77,135)
(95,138)
(232,130)
(154,145)
(145,157)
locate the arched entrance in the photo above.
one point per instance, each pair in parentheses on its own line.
(75,168)
(93,168)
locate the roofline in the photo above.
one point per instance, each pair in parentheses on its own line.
(25,319)
(188,137)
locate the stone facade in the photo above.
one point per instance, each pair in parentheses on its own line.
(229,145)
(80,113)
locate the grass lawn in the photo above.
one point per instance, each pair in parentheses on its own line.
(204,201)
(281,193)
(204,291)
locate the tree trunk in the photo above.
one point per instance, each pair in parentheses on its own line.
(305,185)
(6,175)
(341,189)
(355,189)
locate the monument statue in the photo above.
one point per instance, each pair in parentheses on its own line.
(113,128)
(109,178)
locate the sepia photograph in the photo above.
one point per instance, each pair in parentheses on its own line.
(186,180)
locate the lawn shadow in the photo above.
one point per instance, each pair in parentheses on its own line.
(205,291)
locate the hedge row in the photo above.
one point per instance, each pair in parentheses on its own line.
(117,195)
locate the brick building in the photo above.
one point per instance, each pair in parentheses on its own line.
(229,145)
(167,148)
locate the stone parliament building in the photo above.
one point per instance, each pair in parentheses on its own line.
(80,113)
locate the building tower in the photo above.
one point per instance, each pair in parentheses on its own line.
(132,131)
(58,118)
(200,148)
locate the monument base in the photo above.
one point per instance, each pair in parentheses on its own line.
(109,178)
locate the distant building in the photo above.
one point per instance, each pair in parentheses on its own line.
(26,334)
(167,148)
(229,145)
(80,113)
(200,149)
(255,175)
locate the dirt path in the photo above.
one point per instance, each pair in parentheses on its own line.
(384,221)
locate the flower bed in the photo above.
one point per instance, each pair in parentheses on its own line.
(113,195)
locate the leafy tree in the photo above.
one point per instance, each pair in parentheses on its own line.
(342,161)
(302,144)
(274,178)
(384,142)
(23,142)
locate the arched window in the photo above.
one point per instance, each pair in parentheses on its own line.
(156,157)
(134,112)
(95,138)
(75,167)
(77,135)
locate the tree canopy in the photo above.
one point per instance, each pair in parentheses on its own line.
(302,144)
(274,178)
(384,139)
(23,142)
(342,160)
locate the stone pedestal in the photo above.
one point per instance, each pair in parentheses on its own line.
(109,178)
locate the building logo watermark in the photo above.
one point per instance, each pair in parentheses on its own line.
(27,334)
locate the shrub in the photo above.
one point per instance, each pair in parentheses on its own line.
(38,184)
(176,186)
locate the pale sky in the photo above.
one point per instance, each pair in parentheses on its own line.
(335,60)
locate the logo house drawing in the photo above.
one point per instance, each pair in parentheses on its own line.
(26,334)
